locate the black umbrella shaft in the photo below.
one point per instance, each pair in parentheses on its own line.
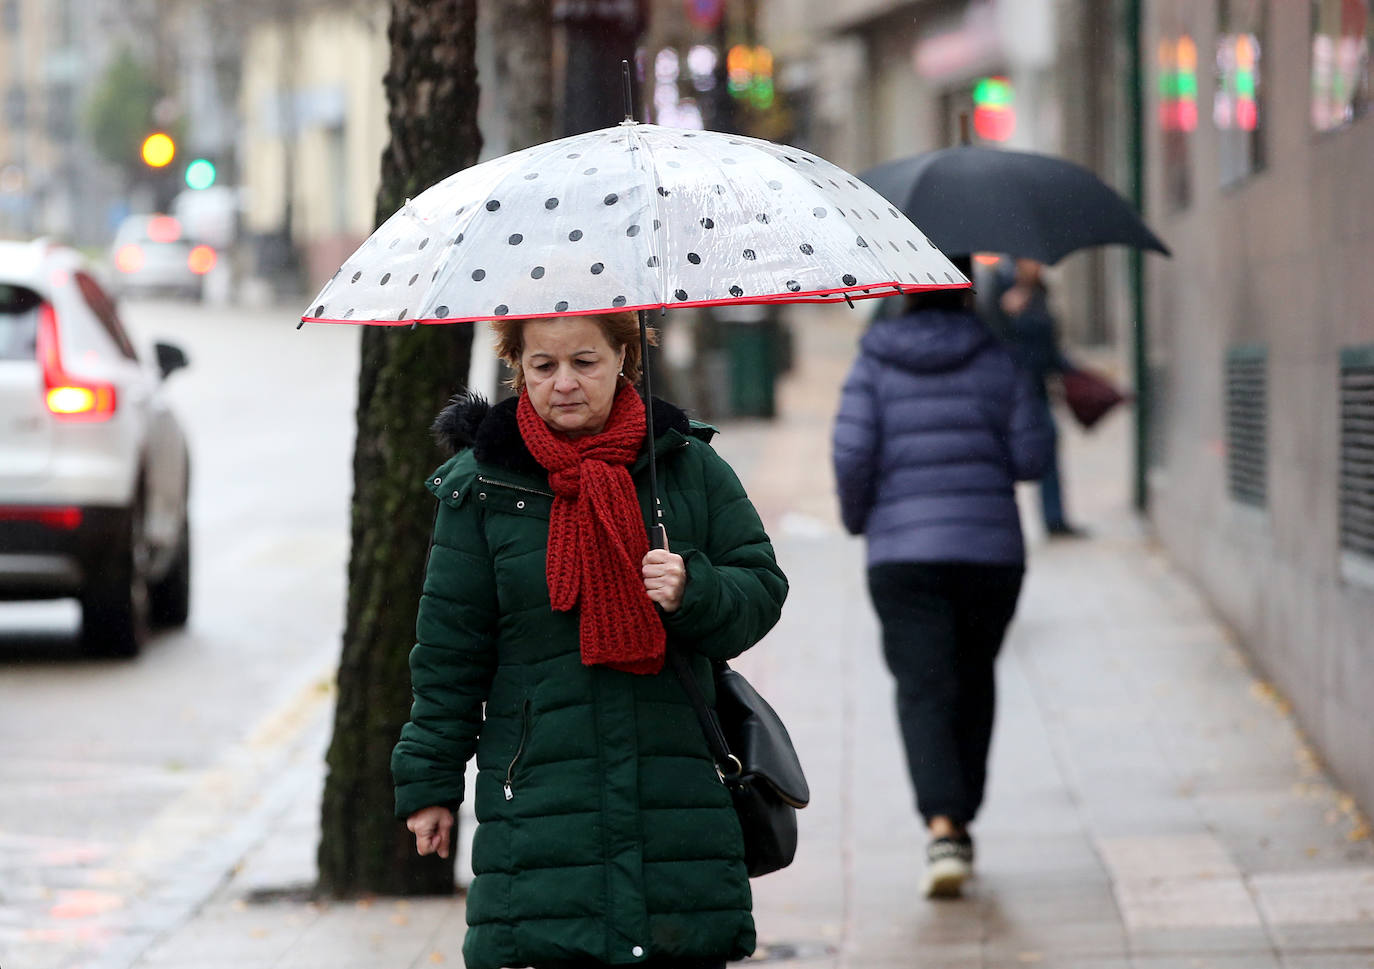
(658,535)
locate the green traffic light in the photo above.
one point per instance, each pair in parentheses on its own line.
(992,92)
(200,174)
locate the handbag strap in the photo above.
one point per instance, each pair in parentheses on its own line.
(710,723)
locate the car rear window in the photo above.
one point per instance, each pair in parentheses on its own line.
(18,322)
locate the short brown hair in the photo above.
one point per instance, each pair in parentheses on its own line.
(620,330)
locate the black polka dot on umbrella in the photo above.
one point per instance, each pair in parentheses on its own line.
(893,246)
(576,154)
(807,249)
(501,310)
(574,235)
(618,301)
(531,176)
(457,240)
(349,314)
(851,184)
(694,258)
(657,225)
(894,213)
(537,272)
(663,191)
(435,276)
(950,278)
(611,199)
(736,291)
(762,217)
(560,306)
(550,204)
(589,171)
(872,213)
(413,279)
(680,295)
(632,231)
(793,286)
(461,210)
(861,243)
(402,315)
(819,212)
(441,311)
(748,254)
(857,213)
(848,280)
(719,189)
(931,277)
(394,243)
(914,247)
(652,262)
(356,276)
(598,268)
(493,205)
(478,275)
(515,239)
(386,278)
(708,223)
(319,310)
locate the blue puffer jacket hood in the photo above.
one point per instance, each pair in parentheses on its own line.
(932,341)
(936,425)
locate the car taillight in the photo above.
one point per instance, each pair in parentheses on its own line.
(201,260)
(129,258)
(68,397)
(65,519)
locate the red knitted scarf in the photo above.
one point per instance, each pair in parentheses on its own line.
(597,540)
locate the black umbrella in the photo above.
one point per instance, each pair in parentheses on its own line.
(970,199)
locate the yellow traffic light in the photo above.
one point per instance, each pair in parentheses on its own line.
(158,150)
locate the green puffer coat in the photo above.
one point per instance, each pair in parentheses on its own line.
(604,832)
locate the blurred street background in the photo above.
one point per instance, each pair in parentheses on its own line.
(1182,768)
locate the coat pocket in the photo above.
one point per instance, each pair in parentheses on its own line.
(509,786)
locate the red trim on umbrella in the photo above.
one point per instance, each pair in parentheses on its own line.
(811,296)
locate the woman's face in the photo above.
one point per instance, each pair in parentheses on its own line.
(571,373)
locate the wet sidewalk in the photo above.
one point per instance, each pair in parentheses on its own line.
(1151,804)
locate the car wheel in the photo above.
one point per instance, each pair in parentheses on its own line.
(170,599)
(115,603)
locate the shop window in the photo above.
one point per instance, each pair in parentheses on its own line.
(1342,37)
(1178,105)
(1237,104)
(1357,461)
(1247,422)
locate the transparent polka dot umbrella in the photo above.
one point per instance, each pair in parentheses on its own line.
(635,217)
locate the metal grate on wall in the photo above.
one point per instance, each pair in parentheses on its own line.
(1357,451)
(1247,421)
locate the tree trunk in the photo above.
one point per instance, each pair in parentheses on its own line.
(522,35)
(597,35)
(404,377)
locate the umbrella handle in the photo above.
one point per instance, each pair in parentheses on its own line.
(658,536)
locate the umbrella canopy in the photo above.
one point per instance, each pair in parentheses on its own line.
(632,217)
(972,199)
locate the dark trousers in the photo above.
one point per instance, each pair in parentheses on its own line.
(943,624)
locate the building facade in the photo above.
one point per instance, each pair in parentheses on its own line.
(1259,137)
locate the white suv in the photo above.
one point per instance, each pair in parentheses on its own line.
(93,466)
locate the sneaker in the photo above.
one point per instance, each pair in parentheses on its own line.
(949,863)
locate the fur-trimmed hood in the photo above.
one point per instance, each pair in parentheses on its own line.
(493,432)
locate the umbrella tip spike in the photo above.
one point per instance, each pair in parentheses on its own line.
(300,324)
(629,94)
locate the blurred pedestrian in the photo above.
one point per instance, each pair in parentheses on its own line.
(605,835)
(936,424)
(1019,308)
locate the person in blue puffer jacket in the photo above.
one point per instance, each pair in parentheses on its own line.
(936,425)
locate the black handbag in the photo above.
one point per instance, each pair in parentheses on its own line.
(756,762)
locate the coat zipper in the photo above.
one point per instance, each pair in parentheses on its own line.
(506,484)
(519,751)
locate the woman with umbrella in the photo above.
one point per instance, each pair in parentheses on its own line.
(936,425)
(605,835)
